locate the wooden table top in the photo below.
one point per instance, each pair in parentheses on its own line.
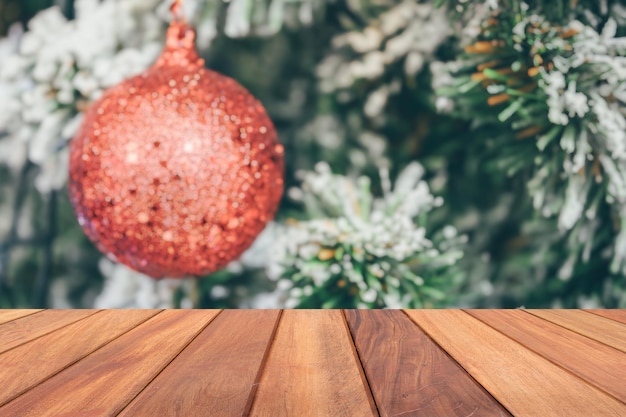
(326,363)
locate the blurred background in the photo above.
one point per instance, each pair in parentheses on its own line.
(440,153)
(13,11)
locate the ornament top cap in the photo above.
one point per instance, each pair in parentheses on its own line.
(180,39)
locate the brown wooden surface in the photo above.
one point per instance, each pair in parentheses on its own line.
(104,382)
(429,363)
(409,374)
(223,362)
(593,326)
(9,315)
(18,332)
(524,382)
(312,370)
(590,360)
(52,353)
(617,315)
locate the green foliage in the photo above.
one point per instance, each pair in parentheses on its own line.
(365,252)
(515,111)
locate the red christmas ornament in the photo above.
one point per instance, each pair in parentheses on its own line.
(176,171)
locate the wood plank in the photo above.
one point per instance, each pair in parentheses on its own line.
(216,373)
(31,363)
(25,329)
(524,382)
(312,370)
(617,315)
(601,365)
(593,326)
(10,315)
(409,374)
(104,382)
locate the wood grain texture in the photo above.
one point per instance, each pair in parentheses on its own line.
(617,315)
(409,374)
(524,382)
(10,315)
(312,370)
(601,365)
(216,373)
(590,325)
(54,351)
(25,329)
(104,382)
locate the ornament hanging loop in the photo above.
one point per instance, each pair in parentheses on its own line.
(179,41)
(178,12)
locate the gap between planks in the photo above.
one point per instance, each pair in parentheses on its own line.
(257,379)
(583,374)
(65,320)
(357,357)
(453,360)
(587,325)
(149,381)
(77,358)
(182,387)
(457,362)
(311,367)
(615,315)
(12,315)
(102,382)
(528,392)
(410,374)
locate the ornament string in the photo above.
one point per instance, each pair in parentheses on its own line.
(178,12)
(179,34)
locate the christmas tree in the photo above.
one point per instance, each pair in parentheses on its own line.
(440,153)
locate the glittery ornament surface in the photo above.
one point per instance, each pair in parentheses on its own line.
(176,171)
